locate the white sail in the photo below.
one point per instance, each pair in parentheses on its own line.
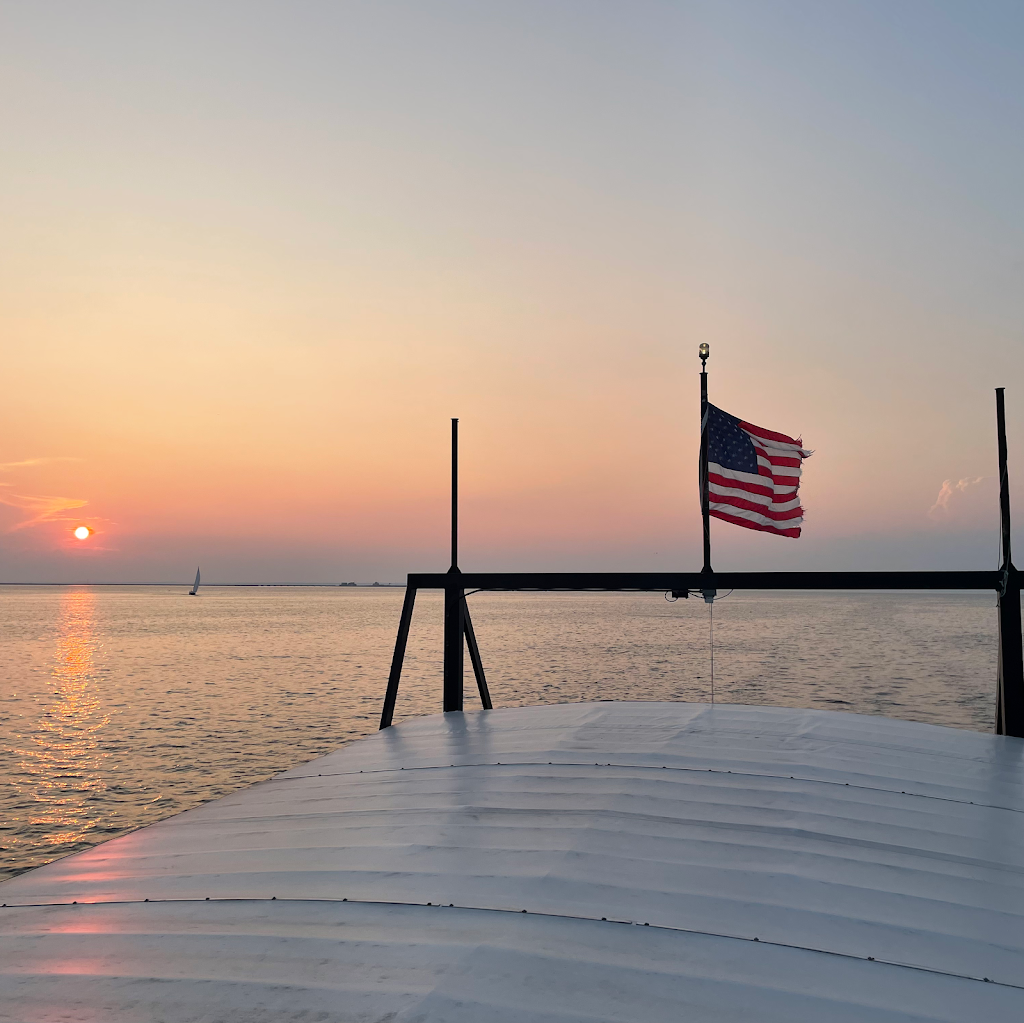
(195,585)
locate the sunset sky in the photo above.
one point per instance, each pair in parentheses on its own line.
(254,256)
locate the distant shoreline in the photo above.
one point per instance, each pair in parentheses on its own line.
(332,586)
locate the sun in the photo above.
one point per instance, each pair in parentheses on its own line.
(82,532)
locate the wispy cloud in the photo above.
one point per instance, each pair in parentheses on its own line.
(37,509)
(949,490)
(29,462)
(40,509)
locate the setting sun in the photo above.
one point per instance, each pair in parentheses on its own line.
(82,532)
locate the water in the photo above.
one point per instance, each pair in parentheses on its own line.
(122,705)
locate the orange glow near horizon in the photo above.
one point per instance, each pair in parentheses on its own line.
(242,304)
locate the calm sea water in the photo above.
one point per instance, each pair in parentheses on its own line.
(122,705)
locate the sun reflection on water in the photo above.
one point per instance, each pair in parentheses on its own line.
(64,762)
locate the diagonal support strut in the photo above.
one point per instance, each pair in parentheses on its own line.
(478,664)
(399,658)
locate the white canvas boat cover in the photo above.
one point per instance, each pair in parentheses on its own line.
(613,861)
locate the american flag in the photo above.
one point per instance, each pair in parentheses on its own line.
(753,475)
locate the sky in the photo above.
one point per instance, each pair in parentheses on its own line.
(254,256)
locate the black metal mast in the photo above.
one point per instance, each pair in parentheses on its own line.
(1010,671)
(454,604)
(455,496)
(704,352)
(708,591)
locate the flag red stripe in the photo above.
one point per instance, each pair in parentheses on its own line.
(764,527)
(779,479)
(785,471)
(779,459)
(777,502)
(761,509)
(753,516)
(753,488)
(784,486)
(780,438)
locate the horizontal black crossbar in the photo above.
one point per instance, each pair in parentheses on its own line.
(666,581)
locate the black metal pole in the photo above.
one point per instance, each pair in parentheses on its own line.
(704,499)
(454,628)
(1010,689)
(708,591)
(1010,670)
(455,496)
(399,657)
(454,604)
(1004,481)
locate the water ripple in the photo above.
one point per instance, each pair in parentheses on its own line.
(123,705)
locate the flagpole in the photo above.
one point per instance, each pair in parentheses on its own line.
(704,352)
(708,591)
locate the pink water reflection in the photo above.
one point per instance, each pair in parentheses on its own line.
(64,757)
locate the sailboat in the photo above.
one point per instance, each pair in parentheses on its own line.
(195,586)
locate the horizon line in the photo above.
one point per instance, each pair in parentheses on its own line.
(371,586)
